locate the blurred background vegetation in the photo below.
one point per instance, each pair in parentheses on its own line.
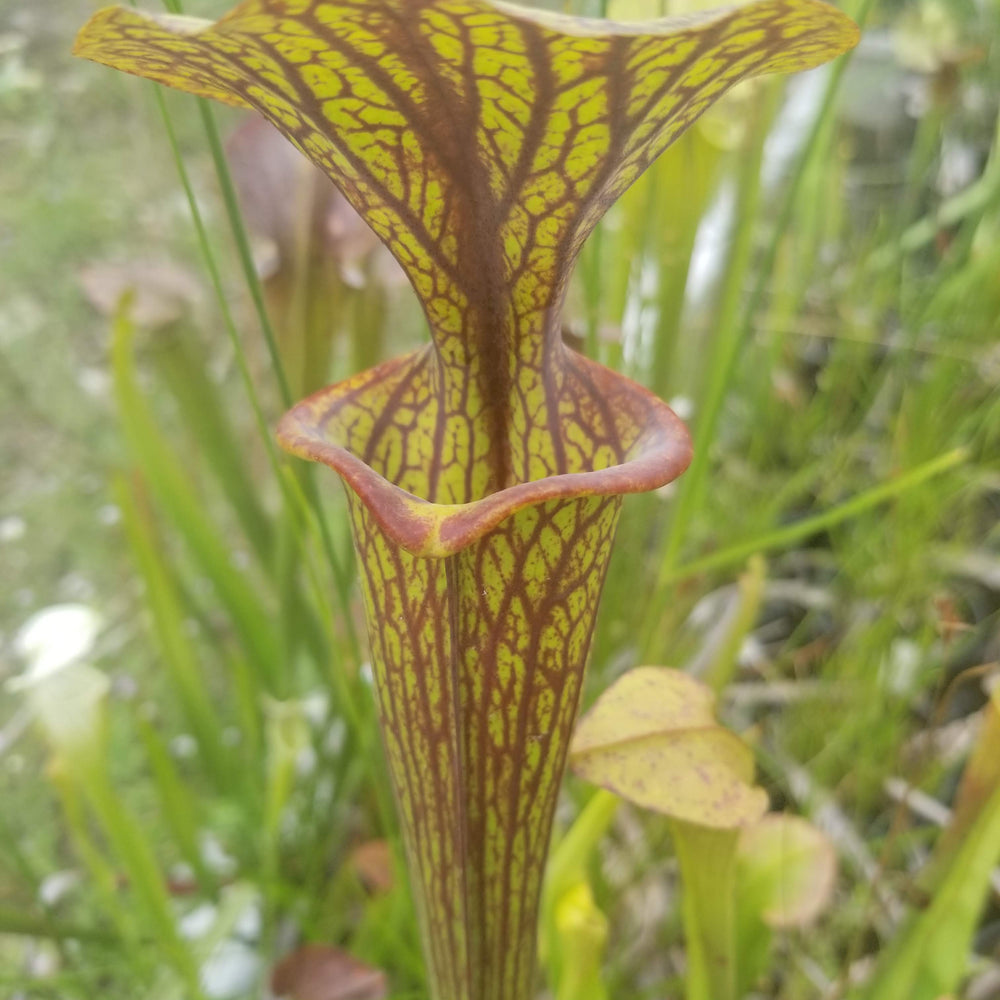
(811,276)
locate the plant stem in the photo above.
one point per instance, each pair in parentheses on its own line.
(707,861)
(239,232)
(570,857)
(564,876)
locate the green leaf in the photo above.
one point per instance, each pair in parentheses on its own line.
(929,958)
(980,780)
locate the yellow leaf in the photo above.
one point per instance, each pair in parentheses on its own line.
(652,739)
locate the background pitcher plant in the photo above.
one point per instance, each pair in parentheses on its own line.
(482,143)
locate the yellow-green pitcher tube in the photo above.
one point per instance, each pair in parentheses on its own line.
(478,663)
(482,142)
(480,617)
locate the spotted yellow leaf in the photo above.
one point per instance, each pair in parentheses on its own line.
(652,738)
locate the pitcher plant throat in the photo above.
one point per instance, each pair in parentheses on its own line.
(482,142)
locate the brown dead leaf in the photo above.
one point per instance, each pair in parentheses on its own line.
(372,861)
(319,972)
(284,198)
(161,292)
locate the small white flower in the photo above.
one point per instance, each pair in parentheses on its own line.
(198,922)
(230,971)
(65,696)
(12,528)
(68,704)
(55,637)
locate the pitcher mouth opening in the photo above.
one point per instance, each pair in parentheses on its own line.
(324,428)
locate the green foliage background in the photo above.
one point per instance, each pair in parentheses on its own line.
(840,359)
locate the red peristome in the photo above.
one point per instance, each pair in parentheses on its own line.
(660,450)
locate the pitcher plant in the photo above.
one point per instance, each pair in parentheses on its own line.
(482,142)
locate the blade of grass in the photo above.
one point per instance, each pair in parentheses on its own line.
(208,258)
(103,876)
(179,806)
(792,533)
(310,495)
(929,957)
(239,232)
(340,574)
(182,363)
(17,921)
(172,485)
(719,368)
(252,279)
(736,320)
(179,655)
(969,203)
(134,852)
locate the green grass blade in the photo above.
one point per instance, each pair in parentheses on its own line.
(172,487)
(929,958)
(179,655)
(792,533)
(183,366)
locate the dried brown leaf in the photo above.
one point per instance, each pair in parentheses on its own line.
(280,192)
(162,292)
(319,972)
(372,861)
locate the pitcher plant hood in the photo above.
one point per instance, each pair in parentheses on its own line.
(482,142)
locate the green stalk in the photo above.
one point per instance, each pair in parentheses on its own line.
(583,934)
(103,876)
(183,366)
(172,485)
(133,851)
(725,658)
(720,367)
(572,854)
(707,860)
(242,241)
(16,921)
(177,802)
(693,164)
(971,202)
(564,920)
(208,258)
(240,234)
(179,655)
